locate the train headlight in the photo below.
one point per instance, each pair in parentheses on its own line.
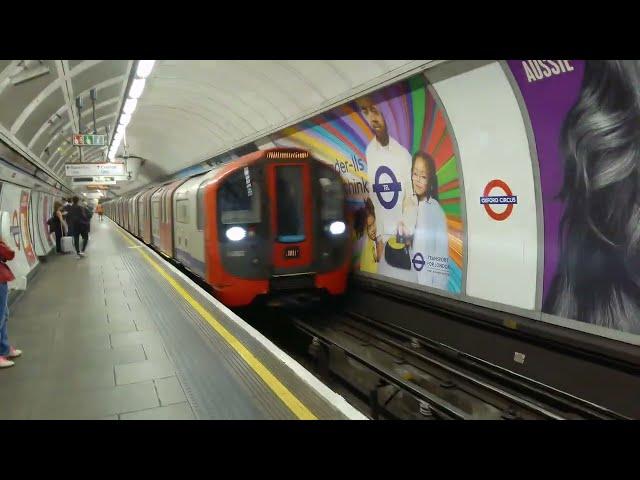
(337,228)
(236,234)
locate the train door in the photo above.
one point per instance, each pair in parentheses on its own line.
(291,217)
(133,221)
(157,212)
(125,209)
(188,243)
(142,214)
(166,229)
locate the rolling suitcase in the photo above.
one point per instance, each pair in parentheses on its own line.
(67,245)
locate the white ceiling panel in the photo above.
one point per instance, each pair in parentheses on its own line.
(190,110)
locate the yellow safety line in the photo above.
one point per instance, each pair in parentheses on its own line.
(263,372)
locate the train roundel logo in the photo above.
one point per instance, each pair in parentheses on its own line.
(418,261)
(508,198)
(386,187)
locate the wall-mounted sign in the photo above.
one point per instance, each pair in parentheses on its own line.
(287,155)
(94,180)
(507,199)
(89,140)
(93,169)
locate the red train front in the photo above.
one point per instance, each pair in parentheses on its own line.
(276,223)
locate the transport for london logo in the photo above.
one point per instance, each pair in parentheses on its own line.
(386,183)
(489,201)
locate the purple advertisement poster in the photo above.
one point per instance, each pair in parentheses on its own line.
(585,117)
(548,99)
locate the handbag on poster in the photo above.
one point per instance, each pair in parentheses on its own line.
(397,254)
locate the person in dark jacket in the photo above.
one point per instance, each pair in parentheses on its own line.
(7,352)
(79,222)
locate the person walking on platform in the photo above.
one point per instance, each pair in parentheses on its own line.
(99,210)
(58,226)
(79,223)
(7,352)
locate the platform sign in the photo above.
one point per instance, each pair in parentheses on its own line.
(89,140)
(94,169)
(110,178)
(94,180)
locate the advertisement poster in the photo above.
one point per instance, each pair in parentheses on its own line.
(24,224)
(396,152)
(585,117)
(11,202)
(46,214)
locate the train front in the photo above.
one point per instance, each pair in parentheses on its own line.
(282,229)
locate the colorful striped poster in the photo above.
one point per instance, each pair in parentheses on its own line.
(397,156)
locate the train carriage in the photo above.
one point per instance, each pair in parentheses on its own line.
(270,222)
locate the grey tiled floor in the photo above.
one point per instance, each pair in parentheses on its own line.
(107,337)
(86,354)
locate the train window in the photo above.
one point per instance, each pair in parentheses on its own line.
(289,204)
(182,211)
(239,201)
(331,195)
(155,209)
(163,202)
(200,207)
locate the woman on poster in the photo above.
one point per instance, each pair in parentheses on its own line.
(598,275)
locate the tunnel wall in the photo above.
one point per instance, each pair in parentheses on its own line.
(494,130)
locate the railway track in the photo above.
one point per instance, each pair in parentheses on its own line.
(404,377)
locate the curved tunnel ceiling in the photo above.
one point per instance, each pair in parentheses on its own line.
(38,113)
(190,111)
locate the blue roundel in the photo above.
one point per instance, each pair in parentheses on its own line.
(390,185)
(418,261)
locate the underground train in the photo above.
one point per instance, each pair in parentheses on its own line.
(268,223)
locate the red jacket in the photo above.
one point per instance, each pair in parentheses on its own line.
(6,254)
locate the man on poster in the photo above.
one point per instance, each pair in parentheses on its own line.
(389,172)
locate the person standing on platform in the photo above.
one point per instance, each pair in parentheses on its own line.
(58,225)
(66,205)
(7,352)
(79,223)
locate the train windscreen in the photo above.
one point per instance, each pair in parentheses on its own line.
(239,199)
(290,214)
(332,196)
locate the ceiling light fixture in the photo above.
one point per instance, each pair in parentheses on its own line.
(130,105)
(143,70)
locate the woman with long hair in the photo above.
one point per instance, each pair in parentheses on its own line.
(598,275)
(57,225)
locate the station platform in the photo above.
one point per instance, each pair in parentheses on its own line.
(123,334)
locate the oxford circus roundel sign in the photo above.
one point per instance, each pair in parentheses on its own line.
(489,201)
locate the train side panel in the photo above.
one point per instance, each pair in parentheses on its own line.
(166,222)
(189,238)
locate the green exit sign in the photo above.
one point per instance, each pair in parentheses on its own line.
(83,140)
